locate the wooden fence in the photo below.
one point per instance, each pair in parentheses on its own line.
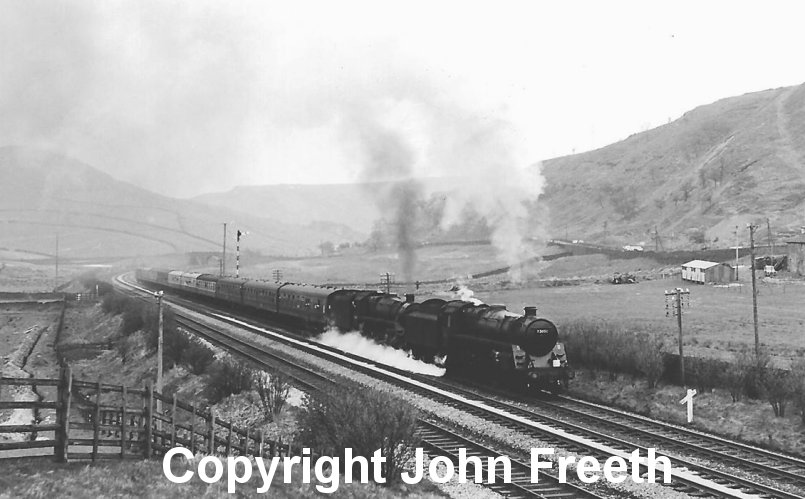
(92,420)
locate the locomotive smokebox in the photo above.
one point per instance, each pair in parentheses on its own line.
(409,298)
(530,311)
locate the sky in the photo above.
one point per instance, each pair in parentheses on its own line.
(187,97)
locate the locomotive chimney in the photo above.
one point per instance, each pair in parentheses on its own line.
(530,311)
(409,298)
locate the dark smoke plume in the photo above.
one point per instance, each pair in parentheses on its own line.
(389,159)
(405,196)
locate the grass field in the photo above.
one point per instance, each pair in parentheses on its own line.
(719,320)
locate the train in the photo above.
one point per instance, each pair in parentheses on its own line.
(467,338)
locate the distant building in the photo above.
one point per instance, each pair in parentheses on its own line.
(796,254)
(702,271)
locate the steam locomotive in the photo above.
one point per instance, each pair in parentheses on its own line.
(466,338)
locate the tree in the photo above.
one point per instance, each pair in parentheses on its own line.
(273,389)
(363,420)
(686,189)
(327,248)
(377,239)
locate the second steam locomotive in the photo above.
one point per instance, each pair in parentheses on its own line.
(465,337)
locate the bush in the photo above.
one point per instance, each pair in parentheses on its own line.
(778,389)
(150,324)
(364,420)
(738,374)
(650,350)
(798,385)
(133,317)
(597,345)
(177,347)
(229,377)
(114,303)
(196,356)
(755,367)
(706,373)
(273,389)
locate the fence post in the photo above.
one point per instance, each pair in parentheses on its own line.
(37,416)
(148,417)
(193,428)
(59,435)
(63,414)
(262,442)
(123,424)
(229,440)
(97,423)
(211,439)
(173,422)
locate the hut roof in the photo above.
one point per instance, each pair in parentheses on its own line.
(699,264)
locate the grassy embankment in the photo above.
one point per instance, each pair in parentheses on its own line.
(43,478)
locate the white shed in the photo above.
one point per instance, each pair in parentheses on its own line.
(702,271)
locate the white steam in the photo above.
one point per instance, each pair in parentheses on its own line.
(462,292)
(354,342)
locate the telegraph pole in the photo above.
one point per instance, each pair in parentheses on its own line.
(754,287)
(736,253)
(385,279)
(158,296)
(277,273)
(771,241)
(676,297)
(223,257)
(57,260)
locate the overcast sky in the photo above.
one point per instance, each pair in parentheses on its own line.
(193,96)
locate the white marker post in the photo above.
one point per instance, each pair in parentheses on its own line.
(689,399)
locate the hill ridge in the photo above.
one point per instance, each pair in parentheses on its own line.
(720,165)
(96,215)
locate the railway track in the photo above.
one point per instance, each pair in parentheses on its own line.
(625,429)
(777,467)
(570,436)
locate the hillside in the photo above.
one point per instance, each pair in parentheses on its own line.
(342,203)
(97,216)
(737,160)
(354,205)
